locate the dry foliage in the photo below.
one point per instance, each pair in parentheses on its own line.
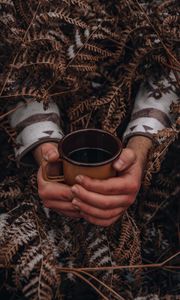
(89,57)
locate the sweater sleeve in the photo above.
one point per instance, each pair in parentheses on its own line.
(34,126)
(151,111)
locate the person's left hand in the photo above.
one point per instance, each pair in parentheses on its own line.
(102,202)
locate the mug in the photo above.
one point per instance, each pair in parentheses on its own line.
(89,152)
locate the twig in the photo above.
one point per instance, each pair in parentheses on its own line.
(165,47)
(116,295)
(143,266)
(14,60)
(14,109)
(73,271)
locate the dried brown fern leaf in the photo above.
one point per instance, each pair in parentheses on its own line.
(164,61)
(81,3)
(115,114)
(21,232)
(59,14)
(15,35)
(170,20)
(121,45)
(54,59)
(79,109)
(110,34)
(166,4)
(80,122)
(168,136)
(29,260)
(24,10)
(124,238)
(41,285)
(12,193)
(113,93)
(175,107)
(88,57)
(167,133)
(166,182)
(138,58)
(92,47)
(7,2)
(42,38)
(169,52)
(30,92)
(160,194)
(135,252)
(84,67)
(12,134)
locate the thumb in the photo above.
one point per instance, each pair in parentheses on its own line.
(126,159)
(49,152)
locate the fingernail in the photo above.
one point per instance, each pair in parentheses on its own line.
(50,153)
(79,178)
(45,157)
(75,203)
(76,208)
(119,164)
(75,189)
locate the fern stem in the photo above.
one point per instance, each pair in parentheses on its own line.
(13,110)
(73,271)
(115,294)
(17,54)
(165,47)
(142,266)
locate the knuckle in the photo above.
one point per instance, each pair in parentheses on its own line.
(87,183)
(130,154)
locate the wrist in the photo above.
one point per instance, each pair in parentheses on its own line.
(141,146)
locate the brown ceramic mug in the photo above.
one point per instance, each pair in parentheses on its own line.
(89,152)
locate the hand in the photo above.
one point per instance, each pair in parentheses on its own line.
(102,202)
(56,196)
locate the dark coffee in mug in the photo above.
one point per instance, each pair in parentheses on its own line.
(89,152)
(90,155)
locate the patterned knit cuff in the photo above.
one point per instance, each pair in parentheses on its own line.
(147,122)
(34,126)
(151,111)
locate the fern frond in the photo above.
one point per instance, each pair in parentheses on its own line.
(96,49)
(84,67)
(59,14)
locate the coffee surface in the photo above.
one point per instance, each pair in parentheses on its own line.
(90,155)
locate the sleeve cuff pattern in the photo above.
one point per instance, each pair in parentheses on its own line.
(147,122)
(151,114)
(34,126)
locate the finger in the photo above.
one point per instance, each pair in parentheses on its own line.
(110,186)
(100,222)
(50,152)
(126,159)
(100,201)
(59,205)
(53,190)
(97,212)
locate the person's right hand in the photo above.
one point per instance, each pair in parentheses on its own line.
(56,196)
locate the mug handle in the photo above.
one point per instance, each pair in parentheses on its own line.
(44,164)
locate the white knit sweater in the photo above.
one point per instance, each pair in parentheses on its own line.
(35,125)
